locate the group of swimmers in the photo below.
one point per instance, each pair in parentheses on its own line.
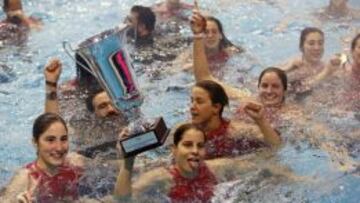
(203,148)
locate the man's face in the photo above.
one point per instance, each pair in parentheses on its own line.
(103,106)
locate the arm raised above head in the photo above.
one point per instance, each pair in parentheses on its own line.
(52,73)
(201,64)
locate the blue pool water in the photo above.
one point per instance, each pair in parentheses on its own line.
(247,23)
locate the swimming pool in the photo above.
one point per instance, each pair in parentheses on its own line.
(248,23)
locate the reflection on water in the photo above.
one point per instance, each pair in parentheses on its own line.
(317,159)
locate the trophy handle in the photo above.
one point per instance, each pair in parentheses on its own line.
(68,50)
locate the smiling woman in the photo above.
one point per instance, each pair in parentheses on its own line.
(309,69)
(48,178)
(272,86)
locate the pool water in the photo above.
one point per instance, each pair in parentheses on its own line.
(251,24)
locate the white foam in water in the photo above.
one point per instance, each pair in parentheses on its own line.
(250,24)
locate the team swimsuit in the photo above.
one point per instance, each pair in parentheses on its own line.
(219,144)
(62,185)
(198,189)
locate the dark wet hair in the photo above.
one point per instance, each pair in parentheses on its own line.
(216,92)
(224,42)
(180,131)
(7,5)
(89,100)
(354,41)
(305,32)
(136,9)
(43,122)
(145,16)
(280,73)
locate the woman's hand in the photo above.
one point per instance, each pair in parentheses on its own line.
(53,70)
(336,62)
(254,110)
(198,22)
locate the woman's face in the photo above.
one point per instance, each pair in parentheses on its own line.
(356,53)
(213,35)
(53,146)
(271,90)
(190,151)
(313,48)
(202,109)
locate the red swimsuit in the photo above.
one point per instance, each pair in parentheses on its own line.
(198,189)
(219,144)
(63,185)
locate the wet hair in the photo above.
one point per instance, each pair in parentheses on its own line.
(89,100)
(7,5)
(145,16)
(136,9)
(180,131)
(43,122)
(280,73)
(305,32)
(216,92)
(355,41)
(224,42)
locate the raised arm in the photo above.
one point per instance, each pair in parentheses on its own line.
(201,65)
(124,188)
(52,73)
